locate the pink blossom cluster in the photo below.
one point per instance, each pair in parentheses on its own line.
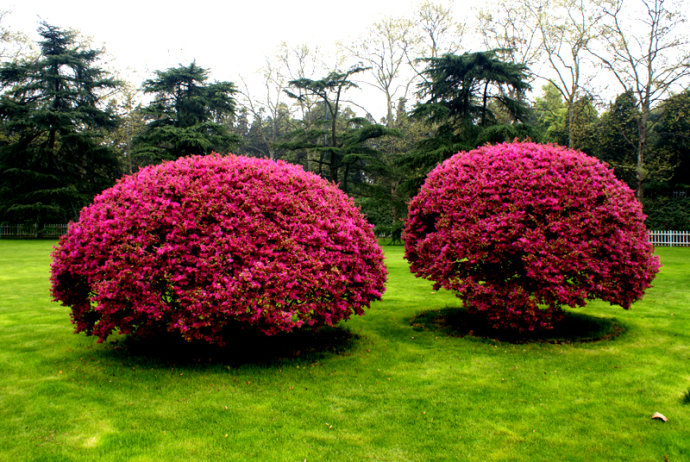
(519,230)
(206,243)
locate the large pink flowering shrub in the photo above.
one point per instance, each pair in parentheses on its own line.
(519,230)
(206,243)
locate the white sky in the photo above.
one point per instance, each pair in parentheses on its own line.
(230,38)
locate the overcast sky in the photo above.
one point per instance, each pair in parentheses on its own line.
(232,39)
(222,35)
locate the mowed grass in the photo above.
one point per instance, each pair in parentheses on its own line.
(380,390)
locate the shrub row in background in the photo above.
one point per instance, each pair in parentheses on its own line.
(667,213)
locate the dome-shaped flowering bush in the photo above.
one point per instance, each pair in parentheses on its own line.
(208,243)
(519,230)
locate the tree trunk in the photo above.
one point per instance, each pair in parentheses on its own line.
(486,90)
(335,166)
(56,108)
(571,118)
(641,147)
(394,212)
(346,172)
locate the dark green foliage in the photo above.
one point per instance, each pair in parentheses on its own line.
(337,141)
(666,213)
(584,126)
(618,137)
(383,198)
(469,100)
(187,116)
(459,88)
(671,138)
(53,158)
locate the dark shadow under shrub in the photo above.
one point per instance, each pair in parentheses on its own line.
(242,347)
(574,328)
(686,397)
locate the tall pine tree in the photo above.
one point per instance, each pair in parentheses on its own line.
(461,99)
(187,116)
(340,142)
(53,159)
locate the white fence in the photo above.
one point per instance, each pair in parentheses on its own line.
(657,238)
(49,231)
(670,238)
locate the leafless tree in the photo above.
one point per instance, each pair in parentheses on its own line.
(13,44)
(511,27)
(438,33)
(645,47)
(384,50)
(566,28)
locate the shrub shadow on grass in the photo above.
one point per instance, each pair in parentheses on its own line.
(574,328)
(686,398)
(242,347)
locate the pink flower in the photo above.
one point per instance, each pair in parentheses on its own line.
(519,230)
(205,242)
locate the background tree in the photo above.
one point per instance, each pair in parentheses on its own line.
(440,33)
(384,196)
(566,29)
(337,141)
(456,102)
(126,104)
(511,28)
(299,62)
(671,138)
(13,44)
(55,158)
(384,50)
(273,117)
(647,56)
(618,137)
(581,128)
(436,33)
(187,116)
(551,114)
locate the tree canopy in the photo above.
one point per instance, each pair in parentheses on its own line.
(188,115)
(61,144)
(462,98)
(338,141)
(52,157)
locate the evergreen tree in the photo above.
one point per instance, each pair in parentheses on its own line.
(187,116)
(339,140)
(53,159)
(618,137)
(383,198)
(671,138)
(461,95)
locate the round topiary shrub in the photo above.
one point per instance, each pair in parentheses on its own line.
(209,243)
(519,230)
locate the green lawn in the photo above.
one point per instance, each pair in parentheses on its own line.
(390,392)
